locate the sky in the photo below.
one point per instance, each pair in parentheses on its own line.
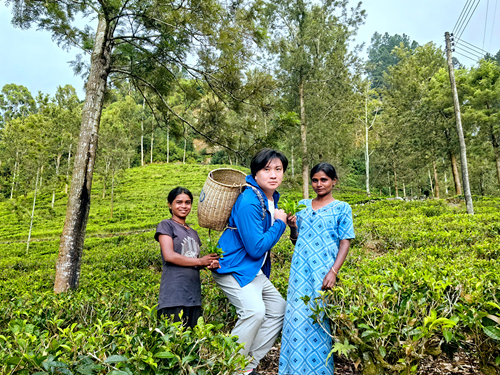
(30,58)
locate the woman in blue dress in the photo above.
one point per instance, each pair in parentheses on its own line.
(321,233)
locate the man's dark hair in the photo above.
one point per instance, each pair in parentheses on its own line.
(263,157)
(178,191)
(327,168)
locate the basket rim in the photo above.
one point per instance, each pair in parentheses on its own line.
(226,169)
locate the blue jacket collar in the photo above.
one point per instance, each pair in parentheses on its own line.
(250,180)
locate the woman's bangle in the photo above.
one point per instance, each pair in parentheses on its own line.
(294,239)
(335,272)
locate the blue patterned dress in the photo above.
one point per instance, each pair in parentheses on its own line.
(305,345)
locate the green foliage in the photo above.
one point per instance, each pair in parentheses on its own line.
(15,101)
(421,278)
(381,56)
(211,248)
(291,207)
(110,323)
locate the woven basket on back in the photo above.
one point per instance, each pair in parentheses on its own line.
(217,197)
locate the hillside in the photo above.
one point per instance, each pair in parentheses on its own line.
(422,278)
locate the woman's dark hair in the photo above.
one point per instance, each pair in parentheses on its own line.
(178,191)
(327,168)
(263,157)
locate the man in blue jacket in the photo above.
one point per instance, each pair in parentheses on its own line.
(255,226)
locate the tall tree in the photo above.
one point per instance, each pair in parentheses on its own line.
(439,102)
(409,137)
(483,102)
(311,40)
(380,55)
(372,106)
(15,101)
(146,43)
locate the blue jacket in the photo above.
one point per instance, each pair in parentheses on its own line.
(245,246)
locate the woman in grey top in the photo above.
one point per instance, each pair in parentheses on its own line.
(180,287)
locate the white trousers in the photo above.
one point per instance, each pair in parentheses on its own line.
(260,310)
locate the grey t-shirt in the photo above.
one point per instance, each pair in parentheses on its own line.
(180,286)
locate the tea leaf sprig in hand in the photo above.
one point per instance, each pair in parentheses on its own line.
(212,248)
(291,207)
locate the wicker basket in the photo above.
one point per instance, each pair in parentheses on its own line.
(217,197)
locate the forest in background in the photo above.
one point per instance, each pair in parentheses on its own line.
(296,83)
(395,109)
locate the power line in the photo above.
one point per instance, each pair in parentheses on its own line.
(470,58)
(463,29)
(485,21)
(468,52)
(465,16)
(472,46)
(459,17)
(493,26)
(469,49)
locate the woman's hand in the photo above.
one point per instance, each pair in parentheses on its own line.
(208,260)
(292,221)
(329,280)
(280,214)
(214,265)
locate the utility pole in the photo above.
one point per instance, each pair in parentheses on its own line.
(458,118)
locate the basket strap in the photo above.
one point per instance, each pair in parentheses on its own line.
(261,200)
(262,205)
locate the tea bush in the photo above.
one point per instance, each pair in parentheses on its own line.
(421,278)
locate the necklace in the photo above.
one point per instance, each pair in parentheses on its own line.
(178,222)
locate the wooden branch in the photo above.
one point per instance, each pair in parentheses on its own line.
(183,120)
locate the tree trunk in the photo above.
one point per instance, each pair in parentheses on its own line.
(481,183)
(77,213)
(496,149)
(168,143)
(142,135)
(184,154)
(16,167)
(293,165)
(389,183)
(152,137)
(395,179)
(105,179)
(436,182)
(303,138)
(112,192)
(32,211)
(367,162)
(446,183)
(430,181)
(454,170)
(67,169)
(41,176)
(58,163)
(367,154)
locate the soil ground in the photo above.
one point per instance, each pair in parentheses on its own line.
(461,364)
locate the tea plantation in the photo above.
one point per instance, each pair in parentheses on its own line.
(422,278)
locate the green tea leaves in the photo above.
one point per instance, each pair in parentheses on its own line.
(291,207)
